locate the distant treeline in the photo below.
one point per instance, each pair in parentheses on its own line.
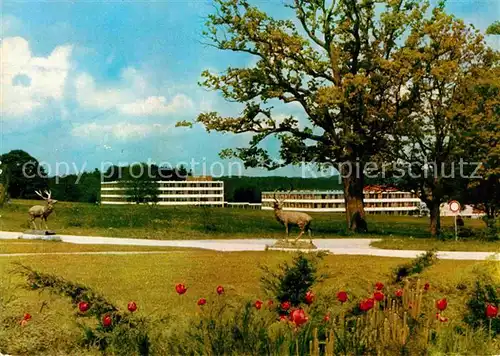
(236,189)
(249,189)
(86,187)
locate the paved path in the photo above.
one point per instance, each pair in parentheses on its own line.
(28,254)
(334,246)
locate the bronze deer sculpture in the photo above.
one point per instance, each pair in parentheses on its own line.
(40,211)
(287,218)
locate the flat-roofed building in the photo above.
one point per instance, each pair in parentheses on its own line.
(376,200)
(189,192)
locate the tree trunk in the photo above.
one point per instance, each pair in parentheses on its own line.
(490,217)
(353,197)
(435,225)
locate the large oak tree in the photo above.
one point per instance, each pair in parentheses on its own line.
(454,120)
(339,61)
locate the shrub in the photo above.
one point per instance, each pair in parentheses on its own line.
(420,263)
(484,293)
(292,281)
(231,329)
(491,232)
(124,336)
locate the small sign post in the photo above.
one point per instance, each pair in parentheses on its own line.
(455,208)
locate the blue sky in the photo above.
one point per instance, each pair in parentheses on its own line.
(87,82)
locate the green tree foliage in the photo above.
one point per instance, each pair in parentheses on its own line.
(249,189)
(115,173)
(494,28)
(83,188)
(445,61)
(141,185)
(481,144)
(339,62)
(22,174)
(3,194)
(4,184)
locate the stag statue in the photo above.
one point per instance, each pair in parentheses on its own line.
(40,211)
(287,218)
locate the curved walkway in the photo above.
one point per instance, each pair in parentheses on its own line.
(334,246)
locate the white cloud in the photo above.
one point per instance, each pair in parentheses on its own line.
(9,24)
(157,105)
(131,96)
(45,77)
(121,131)
(90,97)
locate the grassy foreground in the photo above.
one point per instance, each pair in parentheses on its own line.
(202,223)
(34,246)
(425,244)
(150,280)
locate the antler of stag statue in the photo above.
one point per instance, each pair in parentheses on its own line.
(40,211)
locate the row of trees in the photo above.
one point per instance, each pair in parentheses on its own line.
(249,189)
(21,174)
(378,81)
(141,188)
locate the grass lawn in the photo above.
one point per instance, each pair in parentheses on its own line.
(34,246)
(425,244)
(150,280)
(202,223)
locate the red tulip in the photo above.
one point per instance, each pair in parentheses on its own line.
(202,301)
(366,304)
(427,286)
(220,290)
(379,285)
(107,321)
(309,297)
(132,307)
(363,306)
(379,296)
(283,318)
(441,304)
(327,317)
(83,306)
(258,304)
(25,319)
(398,293)
(298,317)
(342,296)
(285,305)
(491,311)
(441,318)
(270,303)
(180,288)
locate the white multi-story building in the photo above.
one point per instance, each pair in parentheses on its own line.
(188,192)
(376,201)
